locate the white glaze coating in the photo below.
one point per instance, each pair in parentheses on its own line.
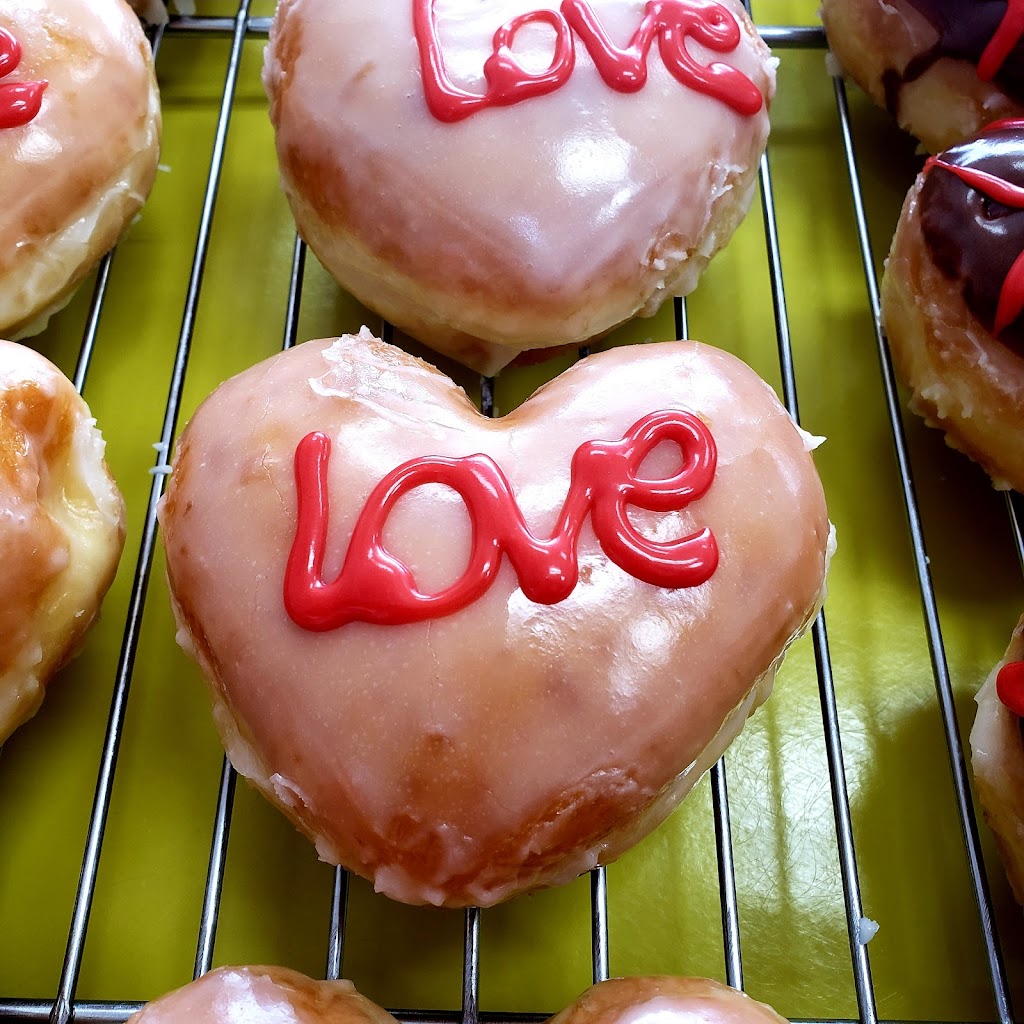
(73,177)
(262,995)
(510,745)
(538,224)
(61,527)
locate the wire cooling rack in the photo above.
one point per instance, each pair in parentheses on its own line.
(65,1007)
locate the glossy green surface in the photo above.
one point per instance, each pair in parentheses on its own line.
(664,899)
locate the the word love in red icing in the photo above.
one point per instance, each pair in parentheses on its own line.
(374,586)
(508,82)
(1010,687)
(19,101)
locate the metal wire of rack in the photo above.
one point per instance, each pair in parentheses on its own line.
(64,1007)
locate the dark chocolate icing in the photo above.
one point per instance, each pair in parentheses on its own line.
(965,28)
(973,239)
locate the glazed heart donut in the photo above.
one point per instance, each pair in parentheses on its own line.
(61,527)
(497,177)
(467,710)
(997,757)
(275,995)
(953,294)
(262,995)
(942,68)
(79,140)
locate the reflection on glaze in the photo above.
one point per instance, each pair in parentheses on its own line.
(1010,687)
(986,33)
(625,70)
(973,226)
(374,586)
(19,101)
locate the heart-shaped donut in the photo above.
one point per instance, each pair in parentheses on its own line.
(470,657)
(501,176)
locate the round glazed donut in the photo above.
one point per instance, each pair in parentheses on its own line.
(262,995)
(467,171)
(79,140)
(497,691)
(667,999)
(997,757)
(61,527)
(942,68)
(953,293)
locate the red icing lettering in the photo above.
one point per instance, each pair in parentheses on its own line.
(1010,687)
(374,586)
(1009,33)
(19,101)
(508,82)
(1011,294)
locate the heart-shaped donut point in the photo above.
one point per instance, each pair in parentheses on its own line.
(465,694)
(496,177)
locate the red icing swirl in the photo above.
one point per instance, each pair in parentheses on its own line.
(625,70)
(1000,46)
(1010,687)
(374,586)
(19,101)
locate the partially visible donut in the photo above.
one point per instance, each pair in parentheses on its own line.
(486,209)
(942,68)
(262,995)
(79,140)
(61,527)
(667,1000)
(276,995)
(997,757)
(953,296)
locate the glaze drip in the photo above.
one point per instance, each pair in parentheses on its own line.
(983,32)
(972,219)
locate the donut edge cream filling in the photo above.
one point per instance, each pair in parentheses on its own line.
(80,495)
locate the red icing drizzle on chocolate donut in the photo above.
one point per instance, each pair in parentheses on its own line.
(1010,687)
(1007,36)
(972,235)
(19,101)
(374,586)
(625,70)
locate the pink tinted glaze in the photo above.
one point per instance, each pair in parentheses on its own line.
(508,82)
(262,995)
(19,101)
(1010,687)
(374,586)
(1010,30)
(512,744)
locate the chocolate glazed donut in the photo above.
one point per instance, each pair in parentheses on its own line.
(953,295)
(943,68)
(972,218)
(978,32)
